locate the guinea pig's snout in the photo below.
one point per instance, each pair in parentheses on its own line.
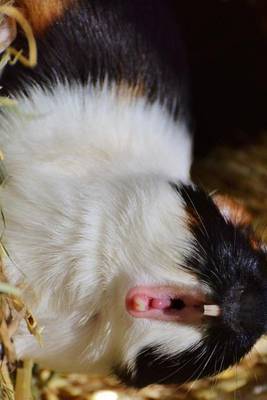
(244,309)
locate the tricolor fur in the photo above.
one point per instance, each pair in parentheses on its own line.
(99,201)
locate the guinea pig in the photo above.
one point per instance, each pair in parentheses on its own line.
(128,266)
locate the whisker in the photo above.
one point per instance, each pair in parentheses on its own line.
(194,207)
(202,368)
(179,367)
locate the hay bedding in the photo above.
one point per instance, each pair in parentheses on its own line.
(241,173)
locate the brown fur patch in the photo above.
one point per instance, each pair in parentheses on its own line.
(42,13)
(235,212)
(232,210)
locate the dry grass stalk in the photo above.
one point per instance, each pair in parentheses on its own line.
(23,381)
(12,312)
(16,16)
(12,309)
(6,385)
(10,16)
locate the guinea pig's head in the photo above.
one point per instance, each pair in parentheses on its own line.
(211,314)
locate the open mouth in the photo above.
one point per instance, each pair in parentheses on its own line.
(167,303)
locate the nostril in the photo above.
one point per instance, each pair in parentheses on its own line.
(231,309)
(247,303)
(242,310)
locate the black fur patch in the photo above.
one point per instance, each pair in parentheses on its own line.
(205,359)
(223,259)
(134,42)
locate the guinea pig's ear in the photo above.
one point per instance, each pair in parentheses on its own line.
(43,13)
(232,210)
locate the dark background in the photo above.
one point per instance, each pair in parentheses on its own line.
(227,54)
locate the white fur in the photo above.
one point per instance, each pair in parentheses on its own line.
(90,214)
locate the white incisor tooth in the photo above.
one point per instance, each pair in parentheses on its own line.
(212,310)
(140,304)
